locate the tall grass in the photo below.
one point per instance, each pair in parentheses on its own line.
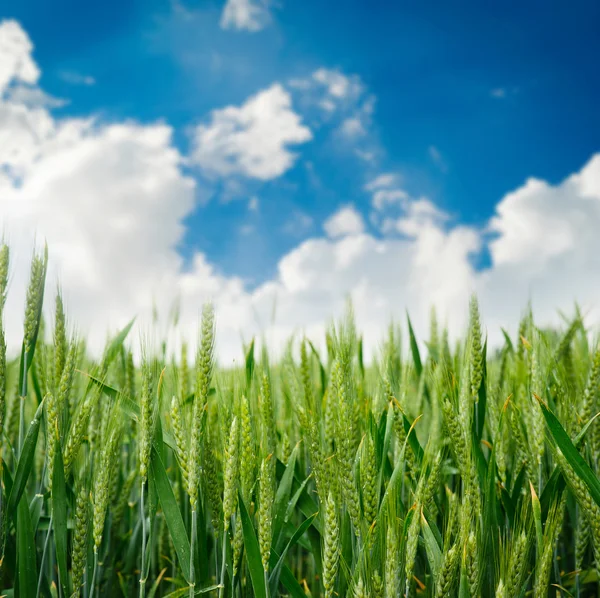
(466,472)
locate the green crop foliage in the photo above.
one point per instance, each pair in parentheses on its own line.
(467,472)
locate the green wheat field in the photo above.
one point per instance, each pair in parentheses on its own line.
(466,472)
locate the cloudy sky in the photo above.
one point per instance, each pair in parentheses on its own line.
(276,157)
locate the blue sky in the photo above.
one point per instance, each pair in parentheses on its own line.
(261,152)
(502,92)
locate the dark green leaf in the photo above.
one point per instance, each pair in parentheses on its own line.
(26,552)
(25,464)
(414,347)
(282,496)
(572,455)
(249,365)
(276,570)
(171,511)
(252,551)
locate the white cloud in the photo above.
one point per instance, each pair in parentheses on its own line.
(383,198)
(248,15)
(344,104)
(382,181)
(253,139)
(539,223)
(16,64)
(346,221)
(32,97)
(111,200)
(353,127)
(337,84)
(74,78)
(418,214)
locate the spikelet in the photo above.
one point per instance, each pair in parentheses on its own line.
(476,357)
(237,543)
(501,590)
(247,451)
(146,424)
(265,402)
(212,482)
(582,540)
(79,550)
(4,265)
(305,376)
(204,370)
(34,299)
(392,581)
(52,436)
(77,430)
(536,438)
(457,438)
(65,386)
(368,480)
(180,440)
(60,338)
(230,476)
(130,375)
(265,508)
(544,560)
(345,453)
(359,589)
(581,493)
(448,572)
(377,585)
(399,412)
(102,472)
(331,548)
(473,564)
(517,565)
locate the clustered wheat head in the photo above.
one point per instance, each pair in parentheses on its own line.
(469,469)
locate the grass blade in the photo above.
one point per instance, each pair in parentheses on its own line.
(572,455)
(276,570)
(59,510)
(26,552)
(252,553)
(414,348)
(282,496)
(172,514)
(25,463)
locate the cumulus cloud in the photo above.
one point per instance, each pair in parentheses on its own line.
(111,200)
(253,139)
(248,15)
(346,221)
(16,63)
